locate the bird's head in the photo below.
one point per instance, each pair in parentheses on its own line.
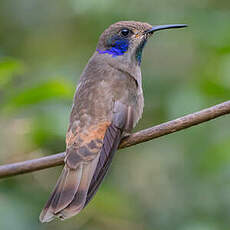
(125,40)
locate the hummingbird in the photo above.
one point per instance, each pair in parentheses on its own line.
(107,105)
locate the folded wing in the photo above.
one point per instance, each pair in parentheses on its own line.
(89,155)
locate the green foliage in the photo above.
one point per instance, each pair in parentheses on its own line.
(9,68)
(32,95)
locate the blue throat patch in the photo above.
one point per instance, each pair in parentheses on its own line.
(119,47)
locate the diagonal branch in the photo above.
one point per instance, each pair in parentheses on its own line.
(133,139)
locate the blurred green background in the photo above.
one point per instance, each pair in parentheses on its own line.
(180,181)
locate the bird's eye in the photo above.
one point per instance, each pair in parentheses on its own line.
(125,32)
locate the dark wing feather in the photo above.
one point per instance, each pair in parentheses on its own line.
(110,144)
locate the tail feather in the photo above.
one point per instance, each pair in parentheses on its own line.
(63,193)
(77,204)
(47,212)
(70,188)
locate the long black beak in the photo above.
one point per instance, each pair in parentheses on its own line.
(164,27)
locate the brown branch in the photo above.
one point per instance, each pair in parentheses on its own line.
(133,139)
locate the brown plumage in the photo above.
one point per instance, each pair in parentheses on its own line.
(108,102)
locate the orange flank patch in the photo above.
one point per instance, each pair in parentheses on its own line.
(83,137)
(95,132)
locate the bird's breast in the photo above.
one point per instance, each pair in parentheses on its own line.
(100,86)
